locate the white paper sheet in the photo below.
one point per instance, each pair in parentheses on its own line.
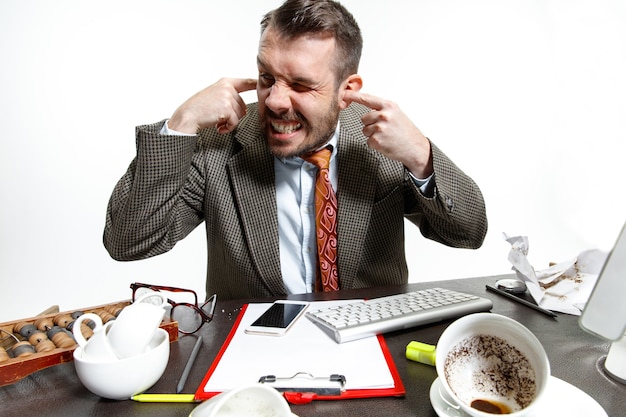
(563,287)
(305,348)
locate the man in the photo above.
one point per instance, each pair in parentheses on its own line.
(241,169)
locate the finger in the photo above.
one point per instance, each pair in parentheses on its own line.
(227,122)
(236,110)
(372,130)
(237,105)
(222,128)
(373,102)
(241,85)
(244,84)
(372,118)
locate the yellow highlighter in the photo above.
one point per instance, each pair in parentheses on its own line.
(164,398)
(421,352)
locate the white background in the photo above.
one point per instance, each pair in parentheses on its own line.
(528,97)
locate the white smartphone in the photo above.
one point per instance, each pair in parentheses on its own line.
(278,318)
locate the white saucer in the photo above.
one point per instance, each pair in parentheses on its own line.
(577,404)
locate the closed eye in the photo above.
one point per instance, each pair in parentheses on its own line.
(266,80)
(300,88)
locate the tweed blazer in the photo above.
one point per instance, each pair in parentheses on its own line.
(227,181)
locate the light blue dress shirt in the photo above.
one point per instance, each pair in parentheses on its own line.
(295,200)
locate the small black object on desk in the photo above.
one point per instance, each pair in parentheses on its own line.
(521,301)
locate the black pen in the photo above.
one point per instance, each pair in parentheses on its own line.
(522,301)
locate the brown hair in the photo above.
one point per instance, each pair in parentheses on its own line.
(323,17)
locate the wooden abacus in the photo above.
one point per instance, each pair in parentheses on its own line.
(29,345)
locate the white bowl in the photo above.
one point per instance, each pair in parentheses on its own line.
(123,378)
(506,355)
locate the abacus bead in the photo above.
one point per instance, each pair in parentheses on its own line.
(114,309)
(4,356)
(25,329)
(105,316)
(67,343)
(89,323)
(63,319)
(44,324)
(45,346)
(70,325)
(37,337)
(54,330)
(18,326)
(23,348)
(86,330)
(63,340)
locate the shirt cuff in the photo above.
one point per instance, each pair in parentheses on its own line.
(165,130)
(422,184)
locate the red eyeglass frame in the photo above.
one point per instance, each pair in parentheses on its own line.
(206,318)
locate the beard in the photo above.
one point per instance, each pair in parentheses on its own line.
(316,135)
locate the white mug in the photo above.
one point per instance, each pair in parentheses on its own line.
(136,324)
(487,361)
(257,400)
(97,348)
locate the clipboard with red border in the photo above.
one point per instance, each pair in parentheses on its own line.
(297,397)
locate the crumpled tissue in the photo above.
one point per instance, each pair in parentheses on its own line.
(564,287)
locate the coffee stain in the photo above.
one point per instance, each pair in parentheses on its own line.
(510,374)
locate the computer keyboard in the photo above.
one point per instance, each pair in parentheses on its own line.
(360,319)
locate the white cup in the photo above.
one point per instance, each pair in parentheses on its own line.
(486,360)
(97,348)
(256,400)
(136,324)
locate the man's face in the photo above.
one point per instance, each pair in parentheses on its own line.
(298,99)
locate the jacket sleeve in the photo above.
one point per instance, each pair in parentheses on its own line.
(156,203)
(455,214)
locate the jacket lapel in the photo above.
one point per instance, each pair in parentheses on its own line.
(356,189)
(251,172)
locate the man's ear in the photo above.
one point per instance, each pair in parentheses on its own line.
(354,83)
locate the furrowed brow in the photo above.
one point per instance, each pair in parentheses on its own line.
(302,80)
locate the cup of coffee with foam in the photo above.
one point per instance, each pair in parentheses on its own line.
(490,364)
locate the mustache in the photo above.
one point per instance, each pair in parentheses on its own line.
(289,116)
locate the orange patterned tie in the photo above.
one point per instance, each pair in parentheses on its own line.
(325,222)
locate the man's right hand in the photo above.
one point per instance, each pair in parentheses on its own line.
(218,105)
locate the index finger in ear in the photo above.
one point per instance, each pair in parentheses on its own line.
(244,84)
(365,99)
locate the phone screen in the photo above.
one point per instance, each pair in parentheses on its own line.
(279,315)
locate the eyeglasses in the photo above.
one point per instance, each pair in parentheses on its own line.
(189,316)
